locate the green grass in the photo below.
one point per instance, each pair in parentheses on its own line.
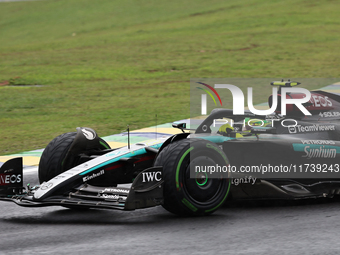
(106,64)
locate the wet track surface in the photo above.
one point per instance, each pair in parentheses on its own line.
(308,227)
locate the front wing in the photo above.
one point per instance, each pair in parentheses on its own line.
(145,191)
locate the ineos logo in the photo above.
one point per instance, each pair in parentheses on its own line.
(320,101)
(6,179)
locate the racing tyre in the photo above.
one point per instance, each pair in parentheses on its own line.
(200,195)
(52,161)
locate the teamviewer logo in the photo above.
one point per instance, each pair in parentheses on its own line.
(292,130)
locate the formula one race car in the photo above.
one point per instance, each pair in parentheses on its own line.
(79,170)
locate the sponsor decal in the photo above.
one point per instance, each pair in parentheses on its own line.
(111,197)
(312,128)
(113,190)
(7,179)
(317,142)
(88,133)
(317,151)
(92,176)
(320,101)
(292,130)
(151,176)
(329,114)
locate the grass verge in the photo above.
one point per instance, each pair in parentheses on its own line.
(111,63)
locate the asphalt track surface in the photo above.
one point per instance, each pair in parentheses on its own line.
(270,227)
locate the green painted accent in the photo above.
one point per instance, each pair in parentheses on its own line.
(106,147)
(179,166)
(208,92)
(206,180)
(189,205)
(209,210)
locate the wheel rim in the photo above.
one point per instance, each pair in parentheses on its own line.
(202,189)
(201,179)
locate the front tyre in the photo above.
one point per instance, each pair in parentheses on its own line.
(200,195)
(53,160)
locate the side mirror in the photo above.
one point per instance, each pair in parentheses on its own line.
(180,126)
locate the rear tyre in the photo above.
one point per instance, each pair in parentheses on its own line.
(53,160)
(201,195)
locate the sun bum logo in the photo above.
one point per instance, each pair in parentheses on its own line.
(238,99)
(7,179)
(94,175)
